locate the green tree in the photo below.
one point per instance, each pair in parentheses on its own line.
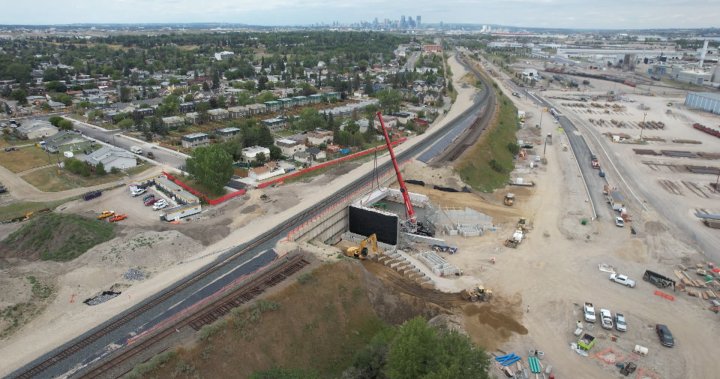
(310,119)
(65,124)
(211,166)
(390,100)
(264,136)
(126,123)
(20,95)
(265,96)
(420,351)
(55,120)
(260,159)
(275,152)
(100,169)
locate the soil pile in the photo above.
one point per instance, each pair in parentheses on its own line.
(56,237)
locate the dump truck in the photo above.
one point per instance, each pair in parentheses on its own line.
(477,293)
(515,239)
(509,199)
(362,251)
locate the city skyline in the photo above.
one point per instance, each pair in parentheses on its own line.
(572,14)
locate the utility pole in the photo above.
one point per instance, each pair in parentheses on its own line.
(642,126)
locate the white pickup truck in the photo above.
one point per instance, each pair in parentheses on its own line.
(589,312)
(606,319)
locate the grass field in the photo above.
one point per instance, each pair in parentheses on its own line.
(50,179)
(14,210)
(488,163)
(318,324)
(25,158)
(56,237)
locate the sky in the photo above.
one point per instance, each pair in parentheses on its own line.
(604,14)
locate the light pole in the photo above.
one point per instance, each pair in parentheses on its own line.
(642,126)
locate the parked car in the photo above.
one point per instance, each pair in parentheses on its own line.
(150,201)
(620,323)
(619,222)
(137,191)
(11,148)
(148,197)
(160,204)
(606,319)
(589,312)
(87,196)
(666,337)
(622,279)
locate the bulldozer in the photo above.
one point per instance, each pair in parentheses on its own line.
(477,293)
(362,250)
(509,199)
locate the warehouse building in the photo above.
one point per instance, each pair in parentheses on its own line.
(703,100)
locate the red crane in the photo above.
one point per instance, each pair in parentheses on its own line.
(412,220)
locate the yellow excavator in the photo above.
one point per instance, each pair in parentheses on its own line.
(362,250)
(477,293)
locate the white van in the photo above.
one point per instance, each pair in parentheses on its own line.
(136,149)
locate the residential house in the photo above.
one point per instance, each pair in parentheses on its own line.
(227,133)
(224,55)
(315,99)
(265,172)
(317,154)
(187,107)
(35,129)
(256,109)
(218,114)
(193,140)
(143,112)
(111,158)
(249,154)
(303,158)
(192,117)
(289,147)
(319,137)
(173,121)
(67,141)
(237,112)
(273,106)
(275,124)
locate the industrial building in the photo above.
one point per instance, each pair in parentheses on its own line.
(706,101)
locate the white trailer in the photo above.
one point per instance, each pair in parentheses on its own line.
(175,214)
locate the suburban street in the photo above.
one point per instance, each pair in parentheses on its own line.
(116,138)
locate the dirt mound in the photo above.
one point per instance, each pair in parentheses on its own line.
(57,237)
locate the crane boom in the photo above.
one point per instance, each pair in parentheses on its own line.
(403,189)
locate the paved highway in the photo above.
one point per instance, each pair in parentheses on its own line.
(116,138)
(249,257)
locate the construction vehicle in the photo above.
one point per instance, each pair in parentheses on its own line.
(524,225)
(105,214)
(411,224)
(477,293)
(362,251)
(509,199)
(515,239)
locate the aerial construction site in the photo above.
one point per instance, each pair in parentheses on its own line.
(591,255)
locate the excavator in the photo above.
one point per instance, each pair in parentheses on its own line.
(362,251)
(477,293)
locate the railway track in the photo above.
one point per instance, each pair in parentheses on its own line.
(75,348)
(468,138)
(209,313)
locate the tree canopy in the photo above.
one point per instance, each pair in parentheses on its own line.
(212,166)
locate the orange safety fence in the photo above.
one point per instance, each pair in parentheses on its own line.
(333,162)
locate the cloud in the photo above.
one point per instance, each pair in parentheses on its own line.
(528,13)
